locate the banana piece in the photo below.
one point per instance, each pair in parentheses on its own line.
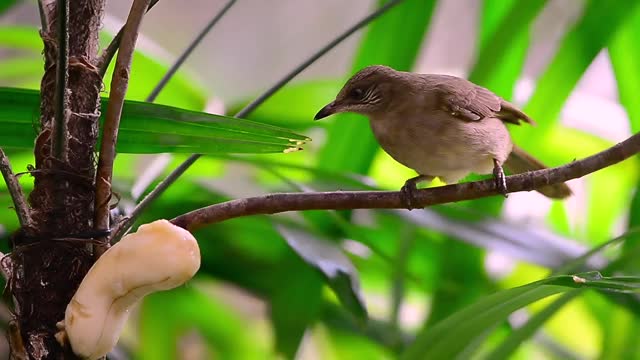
(159,256)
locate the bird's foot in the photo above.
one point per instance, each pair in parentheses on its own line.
(409,189)
(408,194)
(500,178)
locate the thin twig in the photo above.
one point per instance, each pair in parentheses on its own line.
(124,225)
(357,26)
(341,200)
(119,84)
(111,49)
(44,18)
(19,202)
(59,144)
(185,54)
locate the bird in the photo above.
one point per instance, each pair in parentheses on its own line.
(439,125)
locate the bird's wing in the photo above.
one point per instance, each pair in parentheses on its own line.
(465,99)
(471,102)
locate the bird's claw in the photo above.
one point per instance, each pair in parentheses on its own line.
(408,191)
(500,178)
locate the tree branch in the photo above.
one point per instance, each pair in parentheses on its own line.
(341,200)
(19,202)
(119,84)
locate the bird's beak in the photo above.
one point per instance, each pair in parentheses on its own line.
(330,109)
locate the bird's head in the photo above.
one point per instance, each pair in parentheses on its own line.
(367,92)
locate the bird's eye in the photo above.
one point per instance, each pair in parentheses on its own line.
(356,93)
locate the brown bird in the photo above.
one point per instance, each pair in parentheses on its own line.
(439,125)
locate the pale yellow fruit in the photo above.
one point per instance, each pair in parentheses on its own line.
(159,256)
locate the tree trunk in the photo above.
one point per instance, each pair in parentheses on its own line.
(51,258)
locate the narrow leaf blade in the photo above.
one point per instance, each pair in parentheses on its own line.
(154,128)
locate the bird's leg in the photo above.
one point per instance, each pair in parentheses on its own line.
(500,178)
(410,187)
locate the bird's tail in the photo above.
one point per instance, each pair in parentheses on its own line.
(520,161)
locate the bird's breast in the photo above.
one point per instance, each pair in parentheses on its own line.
(441,145)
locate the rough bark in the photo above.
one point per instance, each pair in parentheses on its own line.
(50,259)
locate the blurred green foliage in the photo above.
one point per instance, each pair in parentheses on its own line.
(423,276)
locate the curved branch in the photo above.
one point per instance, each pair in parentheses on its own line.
(341,200)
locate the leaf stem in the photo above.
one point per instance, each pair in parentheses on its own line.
(120,83)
